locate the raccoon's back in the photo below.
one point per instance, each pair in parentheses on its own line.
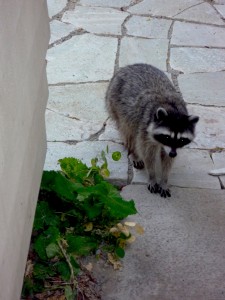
(131,80)
(128,84)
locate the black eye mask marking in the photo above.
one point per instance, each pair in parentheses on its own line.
(172,142)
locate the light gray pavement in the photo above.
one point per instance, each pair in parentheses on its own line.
(182,253)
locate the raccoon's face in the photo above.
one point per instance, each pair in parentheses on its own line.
(173,130)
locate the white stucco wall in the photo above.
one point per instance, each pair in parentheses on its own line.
(24,36)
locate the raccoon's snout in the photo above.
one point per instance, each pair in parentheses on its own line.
(173,153)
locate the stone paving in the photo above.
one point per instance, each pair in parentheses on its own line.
(90,40)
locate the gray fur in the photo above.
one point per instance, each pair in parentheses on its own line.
(137,96)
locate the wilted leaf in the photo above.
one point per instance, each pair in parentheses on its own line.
(125,231)
(29,269)
(130,224)
(88,226)
(104,172)
(114,261)
(139,229)
(131,239)
(89,267)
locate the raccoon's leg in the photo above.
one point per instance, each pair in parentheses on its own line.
(137,163)
(150,164)
(130,145)
(166,161)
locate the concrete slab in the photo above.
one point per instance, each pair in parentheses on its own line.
(210,130)
(81,101)
(86,151)
(188,34)
(161,7)
(202,13)
(139,50)
(96,19)
(219,162)
(106,3)
(67,63)
(194,60)
(148,27)
(59,30)
(203,88)
(61,128)
(221,9)
(55,6)
(190,170)
(110,133)
(180,255)
(219,1)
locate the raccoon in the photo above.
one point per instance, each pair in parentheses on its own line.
(152,119)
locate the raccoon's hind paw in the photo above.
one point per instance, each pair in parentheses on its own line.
(138,164)
(153,188)
(164,192)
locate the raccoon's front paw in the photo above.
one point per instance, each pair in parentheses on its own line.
(164,192)
(153,188)
(138,164)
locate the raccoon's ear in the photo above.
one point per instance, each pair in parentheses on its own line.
(161,113)
(193,119)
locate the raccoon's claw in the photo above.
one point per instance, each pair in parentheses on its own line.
(138,164)
(153,188)
(164,193)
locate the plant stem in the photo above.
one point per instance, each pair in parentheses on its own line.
(72,276)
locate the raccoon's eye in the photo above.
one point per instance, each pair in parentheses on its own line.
(184,141)
(167,137)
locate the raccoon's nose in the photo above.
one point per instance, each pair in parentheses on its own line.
(173,153)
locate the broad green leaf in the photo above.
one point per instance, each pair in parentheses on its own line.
(80,245)
(74,168)
(44,216)
(51,235)
(40,245)
(69,293)
(63,269)
(43,271)
(52,250)
(120,252)
(117,207)
(53,181)
(76,266)
(116,155)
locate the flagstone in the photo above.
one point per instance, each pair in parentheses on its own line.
(99,20)
(148,27)
(67,63)
(189,34)
(140,50)
(194,60)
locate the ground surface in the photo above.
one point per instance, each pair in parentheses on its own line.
(181,255)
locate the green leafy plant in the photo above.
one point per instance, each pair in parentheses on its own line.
(78,213)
